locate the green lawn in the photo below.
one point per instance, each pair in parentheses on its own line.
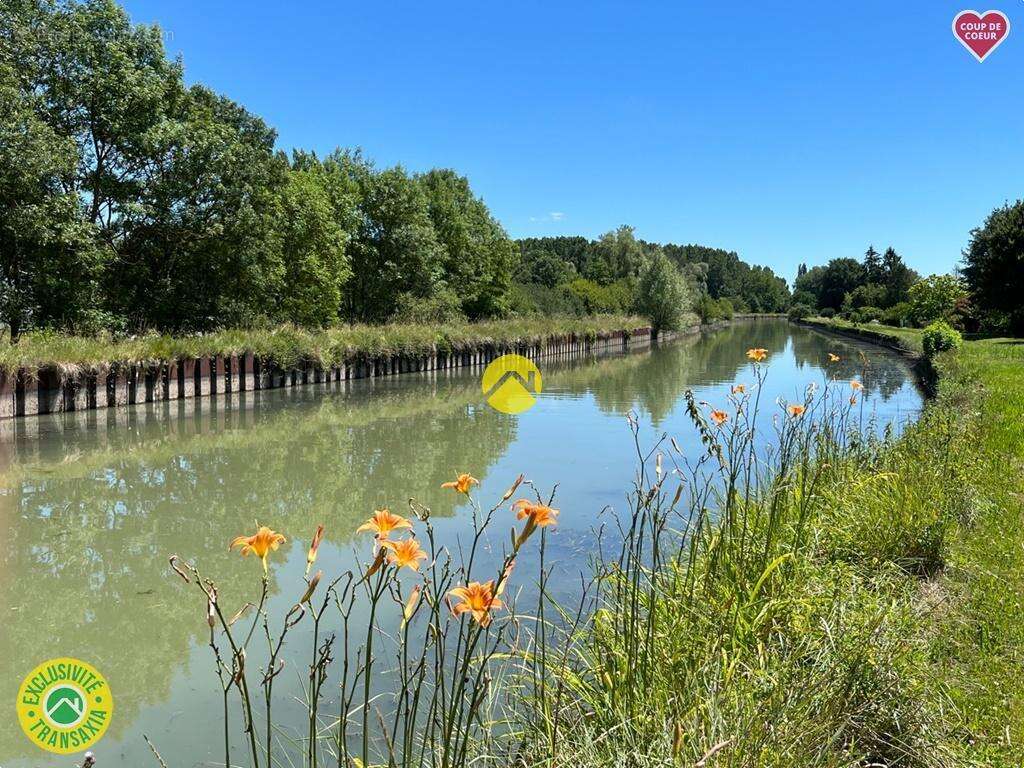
(908,338)
(978,651)
(973,609)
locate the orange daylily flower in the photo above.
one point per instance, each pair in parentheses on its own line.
(462,483)
(796,410)
(540,514)
(406,553)
(719,417)
(261,543)
(479,599)
(757,354)
(738,389)
(536,515)
(314,547)
(856,386)
(833,358)
(383,522)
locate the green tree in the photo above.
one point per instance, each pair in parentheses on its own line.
(573,250)
(615,255)
(839,277)
(395,250)
(807,287)
(49,264)
(722,274)
(897,278)
(935,298)
(874,271)
(204,215)
(993,267)
(866,295)
(108,86)
(662,295)
(478,257)
(312,246)
(541,266)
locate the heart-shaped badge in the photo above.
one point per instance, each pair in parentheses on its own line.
(981,33)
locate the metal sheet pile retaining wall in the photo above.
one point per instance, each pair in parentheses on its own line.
(22,394)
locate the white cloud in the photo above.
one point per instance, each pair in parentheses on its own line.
(553,216)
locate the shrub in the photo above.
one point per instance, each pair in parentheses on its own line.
(528,299)
(828,312)
(940,337)
(870,314)
(443,307)
(897,314)
(711,309)
(598,299)
(799,312)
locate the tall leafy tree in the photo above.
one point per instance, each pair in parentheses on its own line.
(993,267)
(615,255)
(839,277)
(478,256)
(395,252)
(108,85)
(312,243)
(897,277)
(541,266)
(204,215)
(662,295)
(49,265)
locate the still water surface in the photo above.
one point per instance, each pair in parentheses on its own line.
(90,513)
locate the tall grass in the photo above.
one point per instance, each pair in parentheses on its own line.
(289,345)
(763,605)
(770,612)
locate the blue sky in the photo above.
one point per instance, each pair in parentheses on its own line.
(789,135)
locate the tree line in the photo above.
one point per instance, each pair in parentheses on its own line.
(130,201)
(874,288)
(574,274)
(980,295)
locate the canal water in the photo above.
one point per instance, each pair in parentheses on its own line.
(91,508)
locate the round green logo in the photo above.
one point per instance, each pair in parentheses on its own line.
(65,706)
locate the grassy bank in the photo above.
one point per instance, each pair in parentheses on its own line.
(287,345)
(861,607)
(906,339)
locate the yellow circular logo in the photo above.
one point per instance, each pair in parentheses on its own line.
(511,384)
(64,705)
